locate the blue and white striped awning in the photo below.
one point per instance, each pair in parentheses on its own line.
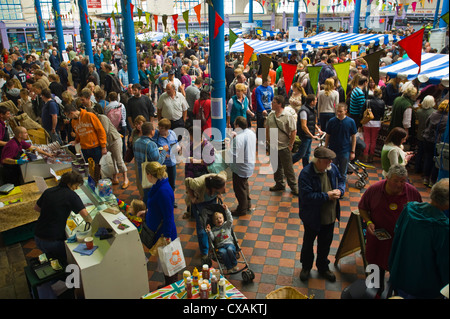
(266,33)
(338,38)
(434,68)
(261,46)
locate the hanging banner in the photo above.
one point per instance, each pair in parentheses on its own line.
(94,4)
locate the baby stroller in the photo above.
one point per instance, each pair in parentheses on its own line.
(355,165)
(206,218)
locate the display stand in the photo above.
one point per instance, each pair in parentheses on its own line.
(117,268)
(352,240)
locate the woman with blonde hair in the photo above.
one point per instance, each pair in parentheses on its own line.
(327,101)
(159,216)
(48,69)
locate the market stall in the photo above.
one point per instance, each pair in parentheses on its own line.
(434,69)
(329,39)
(177,290)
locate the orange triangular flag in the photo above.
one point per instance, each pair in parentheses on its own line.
(248,51)
(197,10)
(155,17)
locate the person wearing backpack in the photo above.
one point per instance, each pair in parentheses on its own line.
(50,116)
(112,83)
(117,113)
(327,70)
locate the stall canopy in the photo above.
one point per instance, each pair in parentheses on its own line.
(328,39)
(434,69)
(261,46)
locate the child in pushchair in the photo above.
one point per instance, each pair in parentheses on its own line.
(224,246)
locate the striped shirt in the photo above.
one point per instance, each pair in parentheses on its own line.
(357,101)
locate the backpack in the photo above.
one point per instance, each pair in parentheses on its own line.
(325,73)
(115,84)
(115,115)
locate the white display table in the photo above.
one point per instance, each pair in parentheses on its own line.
(118,267)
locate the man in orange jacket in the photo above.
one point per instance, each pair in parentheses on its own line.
(89,133)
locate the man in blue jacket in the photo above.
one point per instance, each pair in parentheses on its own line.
(321,186)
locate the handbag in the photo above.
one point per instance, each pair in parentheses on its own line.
(147,235)
(367,116)
(144,180)
(171,258)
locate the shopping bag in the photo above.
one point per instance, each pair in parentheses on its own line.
(171,258)
(107,166)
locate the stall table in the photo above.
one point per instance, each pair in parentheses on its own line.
(21,213)
(177,291)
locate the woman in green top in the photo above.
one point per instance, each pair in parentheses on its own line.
(392,151)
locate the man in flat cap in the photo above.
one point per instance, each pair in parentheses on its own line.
(321,185)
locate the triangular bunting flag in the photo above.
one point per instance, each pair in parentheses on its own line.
(197,10)
(373,61)
(139,13)
(232,38)
(248,51)
(131,10)
(414,4)
(314,76)
(342,71)
(87,18)
(217,24)
(288,74)
(164,21)
(155,17)
(265,61)
(175,22)
(147,19)
(186,19)
(109,22)
(210,3)
(117,9)
(413,46)
(445,17)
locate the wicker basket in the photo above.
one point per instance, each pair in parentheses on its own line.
(287,293)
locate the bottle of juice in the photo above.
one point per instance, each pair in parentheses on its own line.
(222,284)
(204,292)
(213,285)
(205,272)
(188,287)
(195,277)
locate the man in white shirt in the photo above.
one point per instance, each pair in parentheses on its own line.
(173,106)
(177,83)
(241,157)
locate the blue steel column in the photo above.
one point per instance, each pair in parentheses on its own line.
(318,16)
(40,22)
(217,60)
(357,15)
(436,13)
(250,11)
(85,30)
(59,27)
(295,18)
(130,42)
(368,13)
(444,10)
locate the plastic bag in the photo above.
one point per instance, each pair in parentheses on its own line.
(171,258)
(107,166)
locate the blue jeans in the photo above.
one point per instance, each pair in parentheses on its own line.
(341,161)
(52,248)
(228,254)
(202,236)
(303,152)
(95,153)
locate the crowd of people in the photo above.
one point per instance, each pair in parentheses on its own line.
(93,104)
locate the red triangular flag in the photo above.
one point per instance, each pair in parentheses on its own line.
(217,25)
(109,22)
(248,51)
(197,10)
(413,46)
(87,18)
(131,10)
(175,22)
(155,17)
(288,74)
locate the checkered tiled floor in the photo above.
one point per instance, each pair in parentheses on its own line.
(270,237)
